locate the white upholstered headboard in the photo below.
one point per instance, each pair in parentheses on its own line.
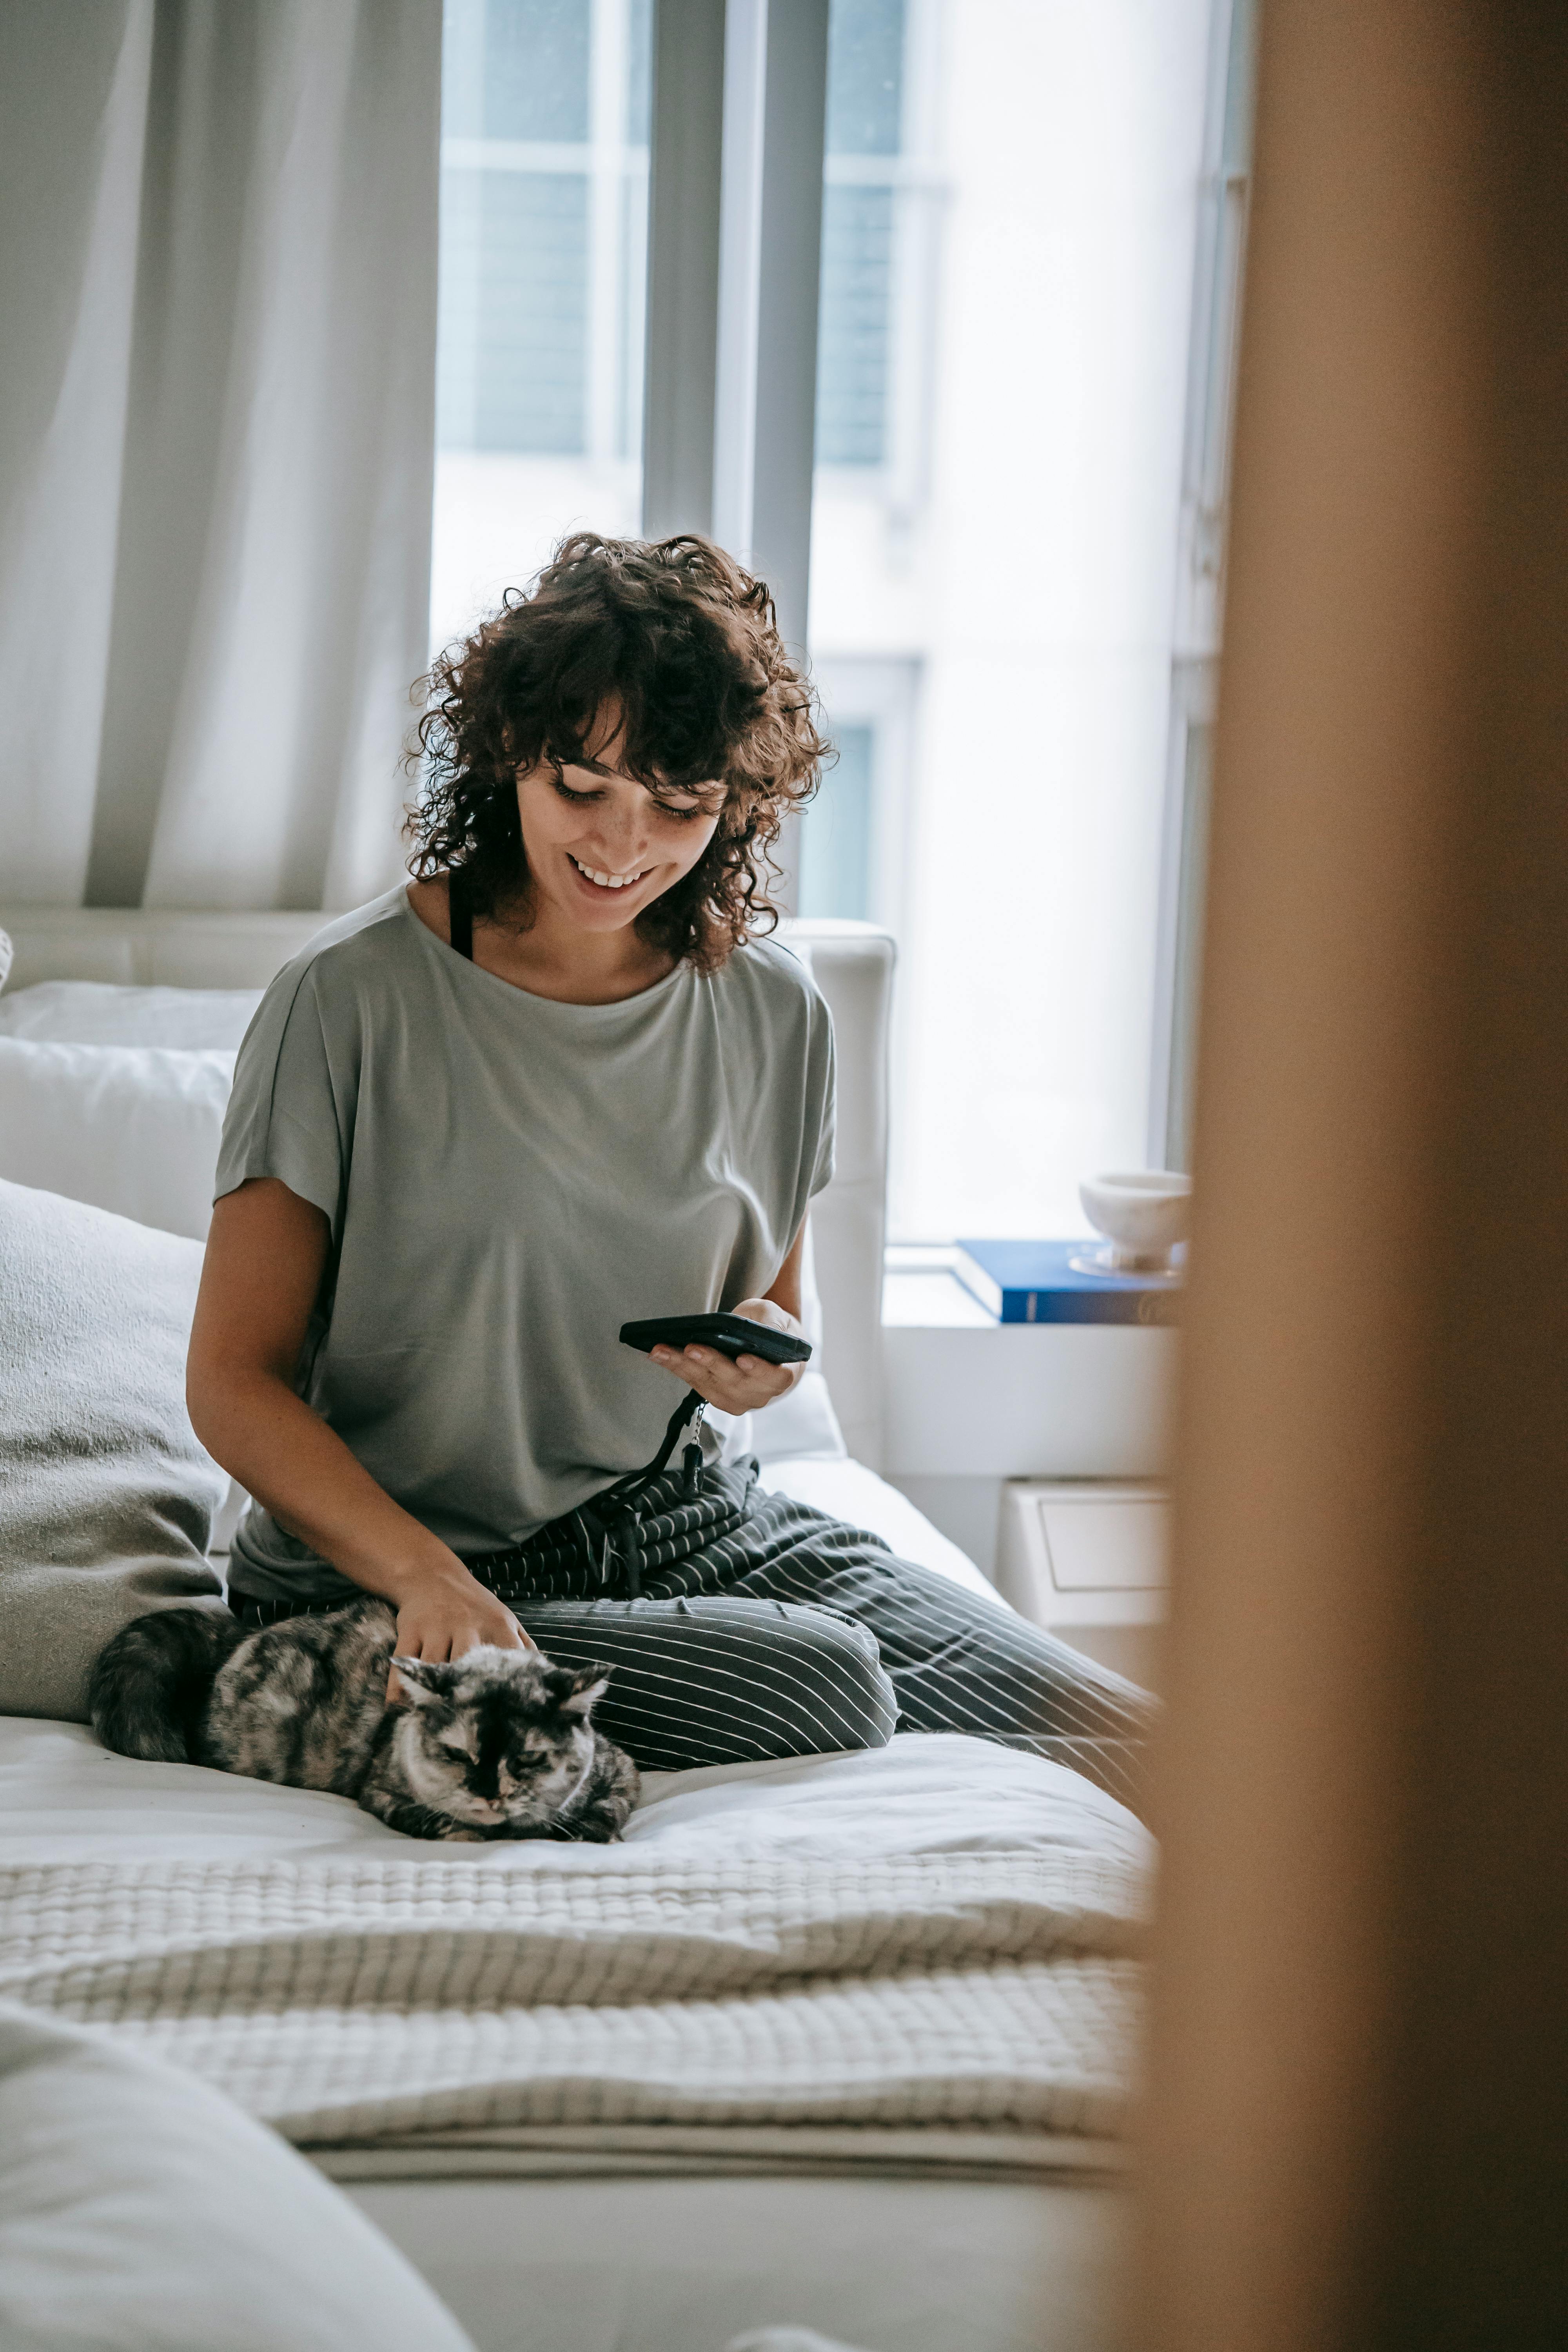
(853,966)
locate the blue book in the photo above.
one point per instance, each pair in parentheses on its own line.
(1061,1282)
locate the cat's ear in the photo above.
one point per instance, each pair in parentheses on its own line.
(587,1686)
(417,1678)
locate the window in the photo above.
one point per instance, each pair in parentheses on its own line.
(1200,572)
(835,852)
(1009,205)
(854,839)
(864,138)
(1012,196)
(544,176)
(876,203)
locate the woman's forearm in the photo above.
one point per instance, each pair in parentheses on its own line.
(284,1456)
(266,1253)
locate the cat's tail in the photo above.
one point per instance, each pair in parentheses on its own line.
(149,1685)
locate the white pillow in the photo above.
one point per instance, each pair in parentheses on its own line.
(801,1425)
(141,2210)
(91,1012)
(132,1129)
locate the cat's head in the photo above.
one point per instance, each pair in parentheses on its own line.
(497,1736)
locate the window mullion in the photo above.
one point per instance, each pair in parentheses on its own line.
(735,253)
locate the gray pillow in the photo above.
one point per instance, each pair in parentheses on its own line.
(106,1497)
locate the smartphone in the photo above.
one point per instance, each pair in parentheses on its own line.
(733,1335)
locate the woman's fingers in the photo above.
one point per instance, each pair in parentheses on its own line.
(735,1385)
(447,1617)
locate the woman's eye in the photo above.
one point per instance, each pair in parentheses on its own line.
(567,793)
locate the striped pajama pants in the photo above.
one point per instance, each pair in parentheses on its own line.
(743,1625)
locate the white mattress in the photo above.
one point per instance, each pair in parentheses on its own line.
(686,2266)
(681,2263)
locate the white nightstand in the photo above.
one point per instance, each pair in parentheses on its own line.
(970,1405)
(1086,1558)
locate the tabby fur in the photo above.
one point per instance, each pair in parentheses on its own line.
(496,1744)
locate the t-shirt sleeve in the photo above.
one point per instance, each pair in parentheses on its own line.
(824,1098)
(290,1114)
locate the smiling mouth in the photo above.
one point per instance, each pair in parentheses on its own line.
(608,883)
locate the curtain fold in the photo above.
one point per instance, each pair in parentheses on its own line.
(216,424)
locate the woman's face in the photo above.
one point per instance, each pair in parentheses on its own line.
(600,848)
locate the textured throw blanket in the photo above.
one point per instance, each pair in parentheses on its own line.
(379,2000)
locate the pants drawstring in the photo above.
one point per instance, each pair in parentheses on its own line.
(615,1510)
(692,1409)
(609,1524)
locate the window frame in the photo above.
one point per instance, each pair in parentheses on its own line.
(1219,270)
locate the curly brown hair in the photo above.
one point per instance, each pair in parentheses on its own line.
(685,646)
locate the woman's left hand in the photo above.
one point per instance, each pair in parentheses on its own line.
(746,1383)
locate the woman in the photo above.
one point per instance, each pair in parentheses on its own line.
(554,1084)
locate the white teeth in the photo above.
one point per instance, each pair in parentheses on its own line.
(607,881)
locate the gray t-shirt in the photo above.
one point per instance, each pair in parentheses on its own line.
(508,1180)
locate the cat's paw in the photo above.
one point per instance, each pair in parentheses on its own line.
(601,1824)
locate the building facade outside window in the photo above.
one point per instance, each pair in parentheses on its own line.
(543,268)
(1010,202)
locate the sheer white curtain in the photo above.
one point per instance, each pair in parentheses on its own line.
(217,325)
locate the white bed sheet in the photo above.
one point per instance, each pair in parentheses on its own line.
(847,1490)
(62,1794)
(65,1799)
(681,2264)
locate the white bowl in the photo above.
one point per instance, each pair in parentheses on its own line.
(1143,1213)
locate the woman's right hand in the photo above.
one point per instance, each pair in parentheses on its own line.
(448,1613)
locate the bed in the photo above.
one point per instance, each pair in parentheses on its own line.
(845,2041)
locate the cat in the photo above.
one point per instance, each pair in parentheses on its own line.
(496,1744)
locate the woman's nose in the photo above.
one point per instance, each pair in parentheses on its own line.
(622,848)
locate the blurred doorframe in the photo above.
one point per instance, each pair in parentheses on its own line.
(1356,2128)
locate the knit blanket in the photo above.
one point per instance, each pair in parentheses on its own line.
(383,1997)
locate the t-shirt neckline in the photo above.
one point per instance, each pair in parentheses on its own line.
(493,980)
